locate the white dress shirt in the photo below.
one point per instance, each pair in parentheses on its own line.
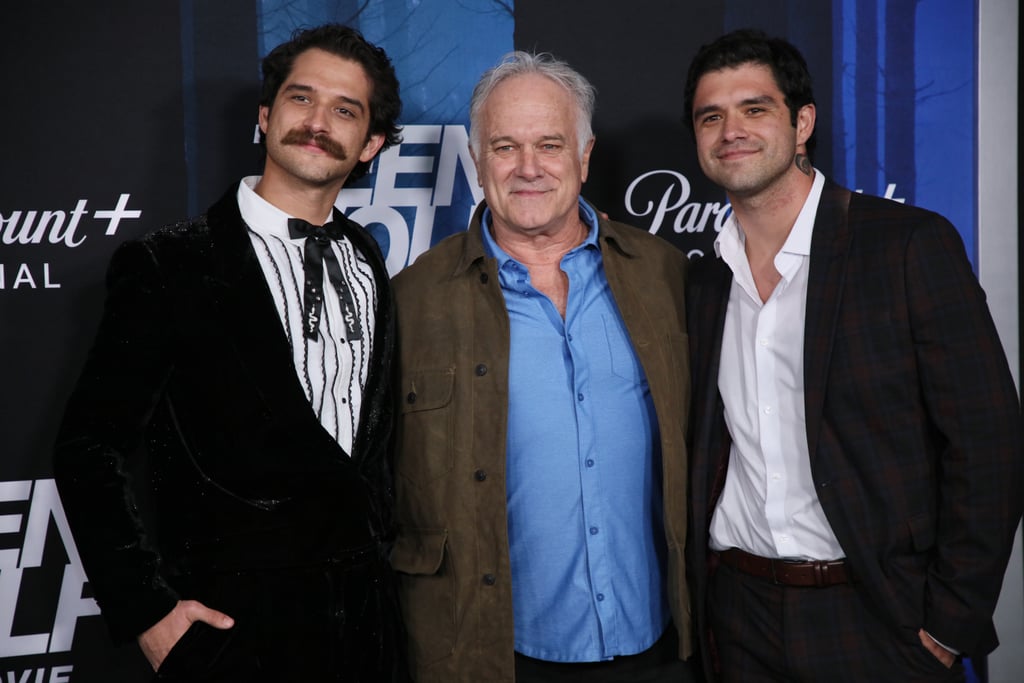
(331,368)
(769,506)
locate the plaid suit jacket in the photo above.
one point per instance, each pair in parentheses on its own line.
(913,420)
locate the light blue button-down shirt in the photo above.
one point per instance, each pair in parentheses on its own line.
(583,469)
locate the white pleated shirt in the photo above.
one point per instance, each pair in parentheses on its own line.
(332,369)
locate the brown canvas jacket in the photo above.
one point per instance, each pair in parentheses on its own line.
(452,548)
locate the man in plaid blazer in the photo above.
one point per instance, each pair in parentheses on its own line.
(856,453)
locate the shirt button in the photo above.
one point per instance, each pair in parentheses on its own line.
(593,530)
(580,396)
(767,410)
(763,342)
(489,580)
(590,462)
(481,370)
(600,597)
(776,476)
(480,475)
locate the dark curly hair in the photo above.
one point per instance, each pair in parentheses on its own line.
(750,46)
(347,43)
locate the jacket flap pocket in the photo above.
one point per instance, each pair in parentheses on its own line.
(419,551)
(427,389)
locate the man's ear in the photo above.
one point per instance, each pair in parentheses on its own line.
(476,164)
(585,159)
(264,118)
(372,146)
(805,119)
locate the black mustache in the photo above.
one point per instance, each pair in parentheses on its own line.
(304,136)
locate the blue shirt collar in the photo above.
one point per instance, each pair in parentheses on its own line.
(587,214)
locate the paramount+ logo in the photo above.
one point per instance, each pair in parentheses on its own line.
(42,582)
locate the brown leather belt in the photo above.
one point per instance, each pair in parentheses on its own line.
(818,573)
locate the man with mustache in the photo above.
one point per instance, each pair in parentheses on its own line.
(244,358)
(540,462)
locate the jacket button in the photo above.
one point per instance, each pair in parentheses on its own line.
(411,397)
(489,580)
(483,278)
(481,370)
(480,475)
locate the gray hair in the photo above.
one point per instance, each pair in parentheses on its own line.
(521,63)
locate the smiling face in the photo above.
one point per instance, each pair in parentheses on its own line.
(317,128)
(746,141)
(529,163)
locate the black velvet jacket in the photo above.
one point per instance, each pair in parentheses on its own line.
(191,376)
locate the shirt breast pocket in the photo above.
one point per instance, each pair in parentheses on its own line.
(426,433)
(623,361)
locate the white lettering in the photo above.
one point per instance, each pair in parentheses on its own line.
(398,232)
(23,277)
(47,283)
(11,492)
(7,227)
(890,192)
(70,606)
(25,235)
(666,203)
(412,178)
(58,674)
(117,214)
(693,224)
(455,153)
(68,237)
(692,217)
(44,509)
(12,645)
(59,226)
(51,223)
(393,164)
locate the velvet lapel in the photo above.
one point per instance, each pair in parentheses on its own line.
(250,316)
(707,302)
(830,248)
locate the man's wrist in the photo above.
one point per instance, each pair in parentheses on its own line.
(945,647)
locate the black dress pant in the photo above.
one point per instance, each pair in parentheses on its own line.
(764,632)
(327,623)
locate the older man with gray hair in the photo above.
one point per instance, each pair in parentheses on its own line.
(541,463)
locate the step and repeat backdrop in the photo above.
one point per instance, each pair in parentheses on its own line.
(122,116)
